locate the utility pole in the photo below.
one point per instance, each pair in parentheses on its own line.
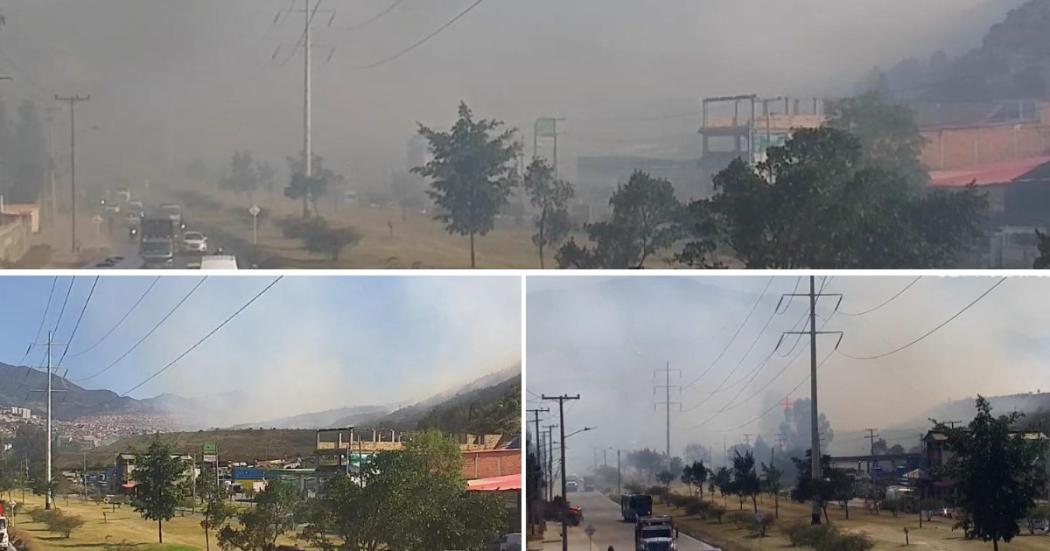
(552,133)
(667,403)
(871,457)
(307,43)
(539,443)
(814,417)
(73,101)
(565,501)
(747,439)
(49,497)
(619,475)
(550,461)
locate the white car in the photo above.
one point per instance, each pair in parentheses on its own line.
(512,542)
(5,541)
(219,262)
(194,241)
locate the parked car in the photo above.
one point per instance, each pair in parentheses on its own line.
(511,542)
(195,242)
(5,540)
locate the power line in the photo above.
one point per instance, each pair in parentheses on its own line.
(148,333)
(65,301)
(891,299)
(43,318)
(357,26)
(735,334)
(202,339)
(931,331)
(80,317)
(120,321)
(423,40)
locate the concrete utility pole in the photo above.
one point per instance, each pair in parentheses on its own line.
(814,417)
(564,493)
(539,443)
(552,133)
(667,403)
(619,475)
(73,101)
(49,497)
(550,461)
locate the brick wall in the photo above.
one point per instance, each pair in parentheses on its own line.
(491,463)
(951,148)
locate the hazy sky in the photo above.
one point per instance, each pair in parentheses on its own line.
(603,337)
(170,81)
(309,344)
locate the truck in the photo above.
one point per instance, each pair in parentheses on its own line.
(635,506)
(5,539)
(655,533)
(158,237)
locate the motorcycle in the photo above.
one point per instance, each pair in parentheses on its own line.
(133,233)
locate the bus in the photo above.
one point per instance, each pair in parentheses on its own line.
(635,506)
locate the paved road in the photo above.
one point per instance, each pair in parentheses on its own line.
(599,511)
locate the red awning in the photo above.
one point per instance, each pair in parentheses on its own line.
(128,485)
(987,174)
(495,484)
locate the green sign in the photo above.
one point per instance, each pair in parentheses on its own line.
(210,447)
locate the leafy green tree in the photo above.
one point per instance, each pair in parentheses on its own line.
(1043,261)
(311,188)
(817,202)
(745,478)
(694,475)
(723,479)
(259,527)
(472,174)
(551,197)
(665,477)
(888,133)
(998,475)
(157,472)
(806,489)
(216,511)
(414,500)
(771,480)
(645,220)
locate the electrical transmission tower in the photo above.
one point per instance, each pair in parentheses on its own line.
(667,403)
(814,295)
(49,497)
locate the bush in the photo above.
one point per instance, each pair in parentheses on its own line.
(679,500)
(42,515)
(760,525)
(809,535)
(19,541)
(741,518)
(62,523)
(845,542)
(633,488)
(716,510)
(697,507)
(656,491)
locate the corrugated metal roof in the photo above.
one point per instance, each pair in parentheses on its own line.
(988,174)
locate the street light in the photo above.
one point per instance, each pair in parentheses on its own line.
(584,429)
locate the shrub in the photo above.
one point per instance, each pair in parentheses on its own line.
(62,523)
(802,534)
(42,515)
(760,524)
(633,488)
(741,518)
(845,542)
(716,510)
(679,500)
(19,541)
(656,491)
(696,507)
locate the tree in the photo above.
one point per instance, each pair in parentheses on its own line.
(771,476)
(311,188)
(646,461)
(266,177)
(216,511)
(694,475)
(806,489)
(818,202)
(471,174)
(998,475)
(745,479)
(197,170)
(261,525)
(242,177)
(645,220)
(723,479)
(551,196)
(156,473)
(414,501)
(1043,261)
(665,478)
(887,131)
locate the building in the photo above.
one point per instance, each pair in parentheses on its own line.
(598,177)
(123,475)
(964,135)
(938,455)
(746,126)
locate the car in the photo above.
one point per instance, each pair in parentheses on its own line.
(219,262)
(194,241)
(105,264)
(588,487)
(5,540)
(510,542)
